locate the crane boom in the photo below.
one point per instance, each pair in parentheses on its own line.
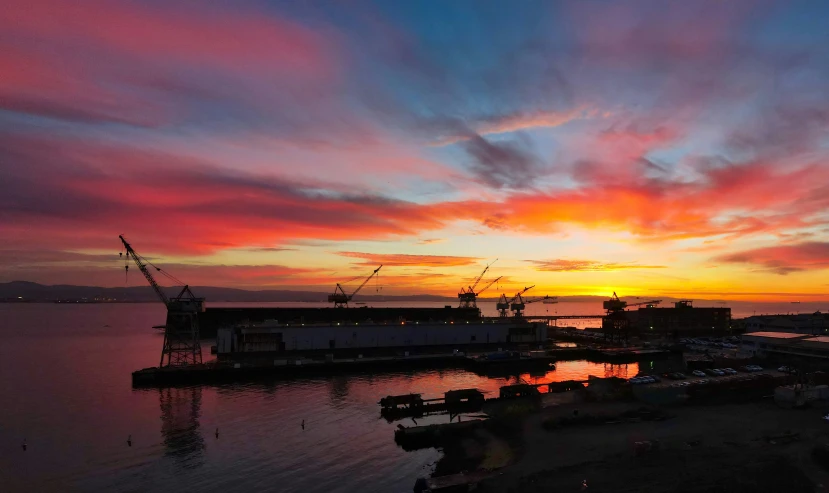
(519,303)
(143,268)
(518,294)
(341,299)
(488,285)
(646,303)
(364,282)
(478,279)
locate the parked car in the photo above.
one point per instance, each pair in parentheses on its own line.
(698,373)
(730,371)
(679,376)
(709,371)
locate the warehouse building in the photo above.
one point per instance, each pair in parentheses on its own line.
(786,343)
(802,323)
(274,337)
(682,320)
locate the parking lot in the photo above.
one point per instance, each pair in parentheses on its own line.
(704,379)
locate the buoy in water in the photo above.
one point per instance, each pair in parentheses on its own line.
(303,424)
(24,445)
(129,441)
(217,433)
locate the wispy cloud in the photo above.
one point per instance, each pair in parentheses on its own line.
(783,259)
(401,259)
(513,122)
(569,265)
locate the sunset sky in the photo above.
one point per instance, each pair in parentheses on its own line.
(647,148)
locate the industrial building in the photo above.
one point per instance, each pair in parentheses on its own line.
(802,323)
(275,337)
(683,319)
(786,344)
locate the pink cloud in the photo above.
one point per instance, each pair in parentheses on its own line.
(69,191)
(237,39)
(783,259)
(120,61)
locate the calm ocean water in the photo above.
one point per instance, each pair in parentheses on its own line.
(65,387)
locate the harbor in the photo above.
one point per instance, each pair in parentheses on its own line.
(414,246)
(682,354)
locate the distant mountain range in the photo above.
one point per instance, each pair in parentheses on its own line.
(21,291)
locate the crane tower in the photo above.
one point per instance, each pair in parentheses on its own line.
(468,297)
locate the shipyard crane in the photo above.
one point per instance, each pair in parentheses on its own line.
(471,300)
(341,299)
(504,304)
(520,303)
(468,296)
(182,346)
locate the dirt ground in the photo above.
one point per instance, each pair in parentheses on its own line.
(725,448)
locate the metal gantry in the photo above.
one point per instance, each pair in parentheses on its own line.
(468,297)
(182,346)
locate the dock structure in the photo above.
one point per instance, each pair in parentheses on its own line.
(396,407)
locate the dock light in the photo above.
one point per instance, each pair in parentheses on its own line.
(402,323)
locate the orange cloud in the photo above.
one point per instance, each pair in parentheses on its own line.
(567,265)
(726,201)
(401,259)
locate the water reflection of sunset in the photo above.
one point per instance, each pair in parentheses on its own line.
(435,383)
